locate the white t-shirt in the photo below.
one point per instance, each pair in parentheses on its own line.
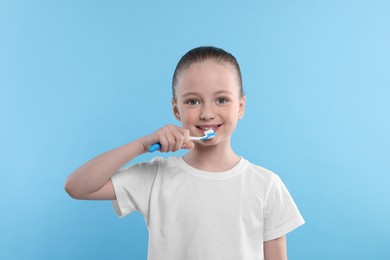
(193,214)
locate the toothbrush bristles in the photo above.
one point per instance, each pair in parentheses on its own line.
(209,134)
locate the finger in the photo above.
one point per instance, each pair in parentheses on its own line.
(186,137)
(179,139)
(188,145)
(186,134)
(170,141)
(163,142)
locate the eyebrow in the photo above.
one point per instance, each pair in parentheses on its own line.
(216,93)
(223,92)
(190,94)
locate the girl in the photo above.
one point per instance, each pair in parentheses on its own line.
(210,203)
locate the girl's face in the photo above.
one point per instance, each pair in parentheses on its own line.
(207,97)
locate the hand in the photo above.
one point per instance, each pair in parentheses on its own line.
(171,139)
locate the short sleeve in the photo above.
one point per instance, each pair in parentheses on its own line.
(281,213)
(132,187)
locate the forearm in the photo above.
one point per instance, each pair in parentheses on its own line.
(92,175)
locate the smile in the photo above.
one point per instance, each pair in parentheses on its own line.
(208,127)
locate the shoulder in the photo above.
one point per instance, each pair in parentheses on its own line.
(260,173)
(261,178)
(140,170)
(153,163)
(152,167)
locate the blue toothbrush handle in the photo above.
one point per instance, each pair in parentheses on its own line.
(154,147)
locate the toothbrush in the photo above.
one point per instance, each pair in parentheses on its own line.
(207,135)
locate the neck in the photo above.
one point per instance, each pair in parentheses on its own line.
(216,158)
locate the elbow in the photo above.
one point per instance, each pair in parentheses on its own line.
(70,189)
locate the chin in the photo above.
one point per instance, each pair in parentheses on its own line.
(210,143)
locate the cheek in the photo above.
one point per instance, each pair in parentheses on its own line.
(187,114)
(233,111)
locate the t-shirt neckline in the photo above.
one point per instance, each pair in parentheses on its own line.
(236,170)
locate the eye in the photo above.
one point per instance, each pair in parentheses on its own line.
(192,102)
(222,100)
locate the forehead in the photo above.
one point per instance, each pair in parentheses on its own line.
(208,76)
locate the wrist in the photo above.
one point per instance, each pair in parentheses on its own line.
(142,145)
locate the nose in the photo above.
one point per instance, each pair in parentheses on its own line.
(207,113)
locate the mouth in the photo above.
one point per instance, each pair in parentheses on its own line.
(204,128)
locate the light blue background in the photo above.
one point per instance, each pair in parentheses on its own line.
(78,78)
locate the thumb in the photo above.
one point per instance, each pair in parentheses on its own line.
(188,145)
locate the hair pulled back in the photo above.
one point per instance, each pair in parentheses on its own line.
(201,54)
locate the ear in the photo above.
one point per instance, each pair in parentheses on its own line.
(175,110)
(241,108)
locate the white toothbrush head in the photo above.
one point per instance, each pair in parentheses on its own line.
(209,134)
